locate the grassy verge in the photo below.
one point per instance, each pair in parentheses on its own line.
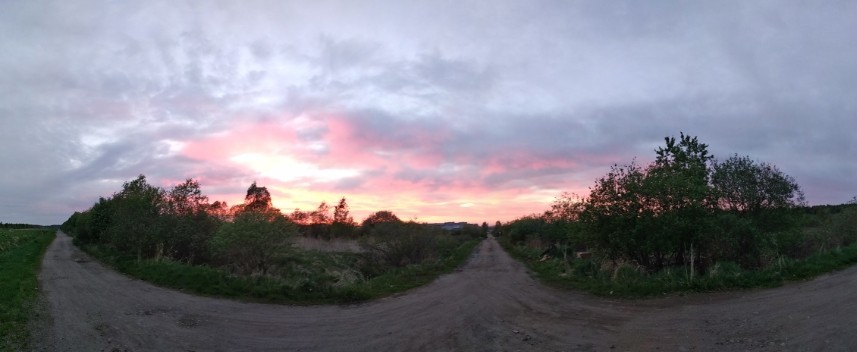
(626,281)
(313,277)
(409,277)
(21,254)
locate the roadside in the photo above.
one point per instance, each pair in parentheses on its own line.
(491,304)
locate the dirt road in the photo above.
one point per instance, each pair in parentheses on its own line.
(491,304)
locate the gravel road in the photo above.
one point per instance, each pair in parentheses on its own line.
(490,304)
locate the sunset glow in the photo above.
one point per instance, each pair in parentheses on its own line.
(338,159)
(474,112)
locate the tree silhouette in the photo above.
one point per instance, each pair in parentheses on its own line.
(340,213)
(258,199)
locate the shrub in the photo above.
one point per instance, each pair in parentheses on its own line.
(250,243)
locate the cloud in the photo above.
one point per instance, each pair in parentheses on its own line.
(417,107)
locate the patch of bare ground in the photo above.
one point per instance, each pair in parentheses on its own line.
(491,304)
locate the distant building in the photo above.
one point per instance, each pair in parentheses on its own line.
(451,226)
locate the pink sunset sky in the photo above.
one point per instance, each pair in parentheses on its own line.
(407,168)
(471,111)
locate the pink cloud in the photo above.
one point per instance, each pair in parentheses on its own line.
(400,167)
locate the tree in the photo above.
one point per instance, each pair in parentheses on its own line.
(257,198)
(379,217)
(498,229)
(744,186)
(301,217)
(614,212)
(319,216)
(340,213)
(186,198)
(484,228)
(251,242)
(134,218)
(219,210)
(188,223)
(343,223)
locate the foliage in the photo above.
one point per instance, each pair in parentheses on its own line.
(399,244)
(302,277)
(258,199)
(676,210)
(21,253)
(608,278)
(685,222)
(743,185)
(684,209)
(177,238)
(341,214)
(250,242)
(498,229)
(378,217)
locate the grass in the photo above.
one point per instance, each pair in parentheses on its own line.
(626,281)
(305,277)
(21,254)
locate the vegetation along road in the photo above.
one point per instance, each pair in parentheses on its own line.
(490,304)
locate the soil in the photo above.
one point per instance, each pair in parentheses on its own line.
(490,304)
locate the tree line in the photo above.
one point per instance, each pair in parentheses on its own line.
(182,224)
(686,208)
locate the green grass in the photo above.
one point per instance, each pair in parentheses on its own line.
(409,277)
(627,282)
(21,254)
(309,277)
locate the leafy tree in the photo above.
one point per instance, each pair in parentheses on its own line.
(301,217)
(250,243)
(320,215)
(134,218)
(484,228)
(258,199)
(379,217)
(498,229)
(341,214)
(745,186)
(343,224)
(219,210)
(678,197)
(614,213)
(188,224)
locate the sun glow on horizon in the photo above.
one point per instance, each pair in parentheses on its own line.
(287,169)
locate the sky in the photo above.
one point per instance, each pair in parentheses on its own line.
(436,110)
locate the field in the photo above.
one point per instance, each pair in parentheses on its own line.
(21,254)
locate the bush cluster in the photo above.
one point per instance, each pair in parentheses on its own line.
(151,232)
(685,209)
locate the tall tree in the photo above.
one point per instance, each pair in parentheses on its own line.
(341,213)
(186,198)
(258,199)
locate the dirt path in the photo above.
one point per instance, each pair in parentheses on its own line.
(491,304)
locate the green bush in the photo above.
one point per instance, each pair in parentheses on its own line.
(249,243)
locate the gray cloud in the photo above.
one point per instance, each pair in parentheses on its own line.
(93,93)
